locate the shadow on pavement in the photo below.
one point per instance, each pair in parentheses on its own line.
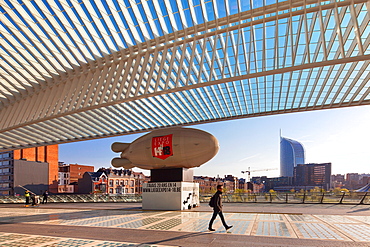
(186,236)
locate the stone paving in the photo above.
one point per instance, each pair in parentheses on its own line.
(350,228)
(24,240)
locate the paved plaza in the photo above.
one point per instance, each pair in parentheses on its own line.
(118,224)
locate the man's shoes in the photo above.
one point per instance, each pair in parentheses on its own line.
(211,229)
(227,228)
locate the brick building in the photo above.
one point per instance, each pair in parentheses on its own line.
(355,180)
(140,179)
(313,175)
(265,184)
(68,176)
(231,183)
(209,184)
(47,154)
(34,168)
(93,183)
(206,184)
(337,180)
(124,181)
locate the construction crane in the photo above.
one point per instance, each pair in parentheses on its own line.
(249,171)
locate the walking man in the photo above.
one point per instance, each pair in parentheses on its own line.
(217,209)
(45,197)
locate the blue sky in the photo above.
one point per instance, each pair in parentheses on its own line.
(340,136)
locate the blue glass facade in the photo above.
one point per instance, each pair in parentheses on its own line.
(291,154)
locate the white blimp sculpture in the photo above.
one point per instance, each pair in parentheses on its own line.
(168,154)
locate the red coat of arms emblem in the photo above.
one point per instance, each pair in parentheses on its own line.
(162,146)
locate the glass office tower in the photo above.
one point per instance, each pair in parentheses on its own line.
(291,154)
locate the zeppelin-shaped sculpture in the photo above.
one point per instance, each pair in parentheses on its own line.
(167,148)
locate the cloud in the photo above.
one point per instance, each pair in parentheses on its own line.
(249,157)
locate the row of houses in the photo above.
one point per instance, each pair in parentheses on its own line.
(103,181)
(230,183)
(123,181)
(115,181)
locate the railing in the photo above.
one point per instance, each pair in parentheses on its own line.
(308,197)
(76,198)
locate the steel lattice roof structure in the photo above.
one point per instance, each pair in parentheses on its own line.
(83,69)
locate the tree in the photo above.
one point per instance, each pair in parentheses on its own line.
(239,191)
(338,190)
(316,189)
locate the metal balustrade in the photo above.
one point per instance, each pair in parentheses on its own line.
(308,197)
(76,198)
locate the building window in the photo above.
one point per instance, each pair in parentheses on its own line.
(117,182)
(132,183)
(111,183)
(111,191)
(126,182)
(132,190)
(5,170)
(117,190)
(126,190)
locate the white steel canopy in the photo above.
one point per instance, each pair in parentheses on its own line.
(83,69)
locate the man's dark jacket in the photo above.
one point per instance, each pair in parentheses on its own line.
(218,201)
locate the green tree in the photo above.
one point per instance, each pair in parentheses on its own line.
(240,191)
